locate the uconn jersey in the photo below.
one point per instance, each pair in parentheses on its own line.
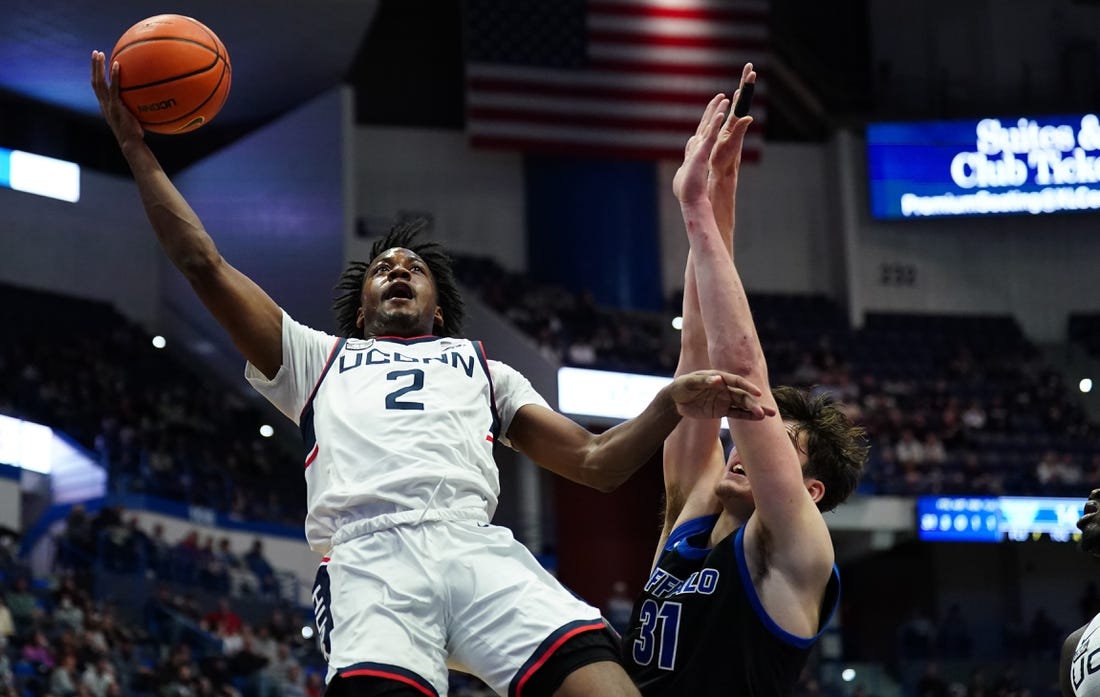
(699,629)
(1084,671)
(395,430)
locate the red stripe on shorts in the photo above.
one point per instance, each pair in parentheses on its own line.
(388,676)
(550,652)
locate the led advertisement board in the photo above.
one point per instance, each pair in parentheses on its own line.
(1015,166)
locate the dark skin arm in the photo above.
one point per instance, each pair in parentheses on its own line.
(1066,662)
(604,461)
(248,314)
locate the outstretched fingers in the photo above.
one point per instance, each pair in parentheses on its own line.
(99,82)
(743,403)
(708,113)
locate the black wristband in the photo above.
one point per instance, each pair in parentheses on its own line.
(744,100)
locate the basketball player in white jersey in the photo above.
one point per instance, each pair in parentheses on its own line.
(399,416)
(1079,670)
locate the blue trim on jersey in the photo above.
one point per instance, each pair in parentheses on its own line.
(479,349)
(678,539)
(305,421)
(754,599)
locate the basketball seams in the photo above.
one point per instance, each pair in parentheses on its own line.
(198,107)
(160,92)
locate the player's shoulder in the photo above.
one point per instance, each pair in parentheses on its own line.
(690,537)
(296,333)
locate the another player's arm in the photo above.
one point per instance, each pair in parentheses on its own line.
(604,461)
(1065,663)
(247,313)
(800,547)
(693,455)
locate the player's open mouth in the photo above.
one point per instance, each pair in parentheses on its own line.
(738,469)
(398,290)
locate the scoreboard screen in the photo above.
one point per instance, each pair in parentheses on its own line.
(998,519)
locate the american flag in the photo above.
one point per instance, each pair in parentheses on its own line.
(607,78)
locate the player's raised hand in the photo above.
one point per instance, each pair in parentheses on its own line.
(725,156)
(690,183)
(122,121)
(712,394)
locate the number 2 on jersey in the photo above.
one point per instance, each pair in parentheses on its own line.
(652,639)
(417,384)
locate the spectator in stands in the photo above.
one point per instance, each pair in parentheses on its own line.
(68,615)
(241,580)
(38,653)
(98,676)
(284,671)
(185,558)
(7,675)
(909,450)
(223,620)
(7,622)
(315,684)
(934,451)
(294,685)
(65,676)
(261,568)
(23,606)
(159,553)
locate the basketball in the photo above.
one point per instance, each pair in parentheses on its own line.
(174,73)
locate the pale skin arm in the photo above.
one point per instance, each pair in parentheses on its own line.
(252,319)
(1066,662)
(799,555)
(693,456)
(604,461)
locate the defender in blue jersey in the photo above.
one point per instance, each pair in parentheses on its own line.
(744,578)
(399,415)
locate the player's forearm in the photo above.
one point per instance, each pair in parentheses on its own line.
(178,228)
(619,452)
(721,191)
(693,335)
(732,343)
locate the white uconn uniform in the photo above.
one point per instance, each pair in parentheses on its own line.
(1084,671)
(401,485)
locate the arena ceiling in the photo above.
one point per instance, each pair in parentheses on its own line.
(283,52)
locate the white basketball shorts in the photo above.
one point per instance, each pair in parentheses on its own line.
(406,602)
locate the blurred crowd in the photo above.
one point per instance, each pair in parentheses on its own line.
(951,405)
(58,639)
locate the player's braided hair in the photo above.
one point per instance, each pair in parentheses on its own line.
(349,287)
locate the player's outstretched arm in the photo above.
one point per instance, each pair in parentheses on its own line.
(247,313)
(604,461)
(692,455)
(800,548)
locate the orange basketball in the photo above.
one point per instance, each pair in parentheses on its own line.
(174,73)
